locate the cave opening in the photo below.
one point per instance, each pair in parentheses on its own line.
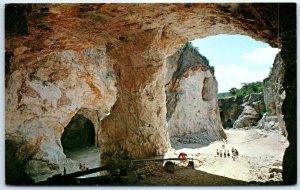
(204,112)
(78,141)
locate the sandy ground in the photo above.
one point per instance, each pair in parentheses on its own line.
(258,152)
(89,156)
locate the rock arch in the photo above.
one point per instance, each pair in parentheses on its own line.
(137,39)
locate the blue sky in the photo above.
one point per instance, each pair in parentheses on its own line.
(237,59)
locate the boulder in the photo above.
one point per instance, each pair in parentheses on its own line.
(249,117)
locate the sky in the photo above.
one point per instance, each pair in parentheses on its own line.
(237,59)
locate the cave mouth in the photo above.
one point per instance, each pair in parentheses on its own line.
(79,134)
(196,123)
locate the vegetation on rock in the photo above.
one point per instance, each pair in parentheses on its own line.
(246,89)
(195,50)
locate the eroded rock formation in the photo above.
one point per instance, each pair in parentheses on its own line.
(191,91)
(253,109)
(67,42)
(274,93)
(43,95)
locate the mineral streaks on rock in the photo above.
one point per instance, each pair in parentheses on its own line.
(43,95)
(192,105)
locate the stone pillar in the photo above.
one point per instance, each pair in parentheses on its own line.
(136,127)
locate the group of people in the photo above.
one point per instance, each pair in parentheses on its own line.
(83,167)
(221,153)
(226,154)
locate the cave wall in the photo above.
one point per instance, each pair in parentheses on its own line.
(41,98)
(288,35)
(191,95)
(131,43)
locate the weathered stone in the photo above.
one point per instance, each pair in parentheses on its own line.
(137,39)
(42,99)
(192,98)
(268,123)
(230,109)
(274,93)
(249,117)
(255,97)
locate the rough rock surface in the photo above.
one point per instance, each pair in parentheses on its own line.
(253,109)
(43,95)
(230,109)
(274,93)
(192,98)
(249,117)
(137,38)
(268,123)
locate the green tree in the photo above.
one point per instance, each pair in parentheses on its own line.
(233,91)
(248,88)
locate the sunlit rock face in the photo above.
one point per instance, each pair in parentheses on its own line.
(274,93)
(191,91)
(135,40)
(248,118)
(43,95)
(253,109)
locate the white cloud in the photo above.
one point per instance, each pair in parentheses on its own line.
(261,56)
(234,75)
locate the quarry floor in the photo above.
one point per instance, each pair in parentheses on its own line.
(259,152)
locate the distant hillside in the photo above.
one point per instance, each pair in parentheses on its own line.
(223,94)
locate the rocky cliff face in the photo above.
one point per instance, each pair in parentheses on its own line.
(253,109)
(230,109)
(61,58)
(274,93)
(191,98)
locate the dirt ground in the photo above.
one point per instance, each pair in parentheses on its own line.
(152,173)
(260,155)
(260,160)
(88,155)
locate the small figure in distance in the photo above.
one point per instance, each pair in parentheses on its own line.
(224,153)
(236,152)
(221,155)
(217,152)
(228,154)
(182,155)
